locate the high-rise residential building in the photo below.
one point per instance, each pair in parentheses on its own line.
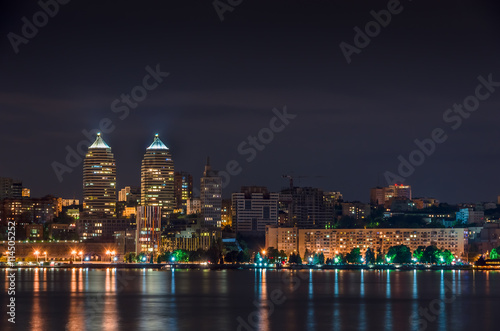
(99,180)
(211,197)
(17,189)
(10,188)
(148,235)
(183,187)
(5,188)
(157,178)
(253,209)
(308,208)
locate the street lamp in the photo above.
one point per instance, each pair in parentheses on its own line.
(81,256)
(45,253)
(37,253)
(113,254)
(109,254)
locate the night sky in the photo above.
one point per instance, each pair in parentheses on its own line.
(353,120)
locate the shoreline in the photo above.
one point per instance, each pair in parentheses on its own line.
(124,266)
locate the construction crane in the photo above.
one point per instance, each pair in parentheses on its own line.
(292,177)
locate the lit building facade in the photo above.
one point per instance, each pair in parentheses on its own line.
(211,197)
(28,210)
(99,180)
(194,206)
(148,235)
(341,241)
(157,178)
(183,187)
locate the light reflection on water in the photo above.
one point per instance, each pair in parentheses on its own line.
(207,300)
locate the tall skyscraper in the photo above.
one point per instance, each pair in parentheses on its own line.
(183,189)
(157,178)
(99,180)
(211,197)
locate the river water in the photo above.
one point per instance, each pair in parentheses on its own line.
(77,299)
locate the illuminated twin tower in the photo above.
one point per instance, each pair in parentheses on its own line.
(99,179)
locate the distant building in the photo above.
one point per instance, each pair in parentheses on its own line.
(59,231)
(377,196)
(332,242)
(469,216)
(34,232)
(157,178)
(130,194)
(183,188)
(70,202)
(26,192)
(211,197)
(400,204)
(356,210)
(129,211)
(10,188)
(99,180)
(28,210)
(192,238)
(74,213)
(193,206)
(308,209)
(125,241)
(380,195)
(148,235)
(227,212)
(101,229)
(424,203)
(253,209)
(490,205)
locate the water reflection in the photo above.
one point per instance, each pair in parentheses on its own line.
(388,305)
(338,300)
(37,320)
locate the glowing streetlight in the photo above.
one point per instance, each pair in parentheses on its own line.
(37,253)
(73,253)
(81,256)
(45,254)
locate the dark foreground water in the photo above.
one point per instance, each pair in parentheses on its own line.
(253,300)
